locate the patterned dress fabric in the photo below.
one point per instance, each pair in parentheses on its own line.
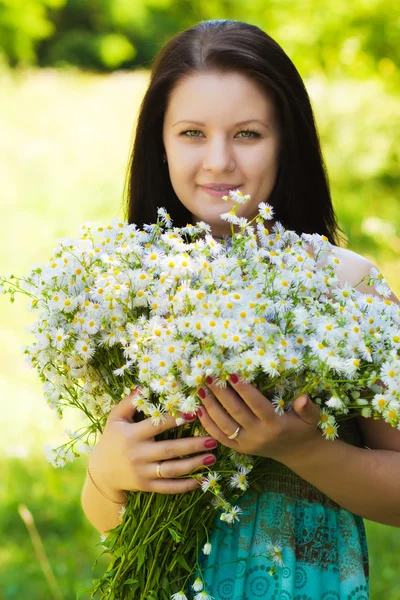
(324,552)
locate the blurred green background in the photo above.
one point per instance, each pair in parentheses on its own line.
(72,75)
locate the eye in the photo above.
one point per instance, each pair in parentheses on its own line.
(190,131)
(255,134)
(252,133)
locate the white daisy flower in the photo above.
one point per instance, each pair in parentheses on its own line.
(231,217)
(389,373)
(330,432)
(335,403)
(157,415)
(275,552)
(232,515)
(189,405)
(239,479)
(379,402)
(266,210)
(207,548)
(69,304)
(279,404)
(270,364)
(203,596)
(91,325)
(197,585)
(238,197)
(119,372)
(179,596)
(326,419)
(211,481)
(59,337)
(85,349)
(165,217)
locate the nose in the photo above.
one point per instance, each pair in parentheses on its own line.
(218,156)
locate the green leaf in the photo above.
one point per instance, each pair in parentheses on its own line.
(141,556)
(130,581)
(83,592)
(182,562)
(165,584)
(175,535)
(119,552)
(111,572)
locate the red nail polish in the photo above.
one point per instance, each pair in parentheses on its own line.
(202,393)
(199,412)
(209,380)
(209,460)
(189,416)
(234,379)
(210,444)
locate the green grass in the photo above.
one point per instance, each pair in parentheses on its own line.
(64,141)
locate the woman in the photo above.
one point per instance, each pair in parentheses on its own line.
(226,108)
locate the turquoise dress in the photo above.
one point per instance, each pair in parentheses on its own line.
(324,552)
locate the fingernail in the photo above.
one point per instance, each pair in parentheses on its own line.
(210,444)
(199,412)
(189,416)
(137,390)
(234,379)
(209,380)
(209,460)
(202,393)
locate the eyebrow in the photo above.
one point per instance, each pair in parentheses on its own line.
(236,124)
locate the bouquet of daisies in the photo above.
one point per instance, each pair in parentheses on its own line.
(165,307)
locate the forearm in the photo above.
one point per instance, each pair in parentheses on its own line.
(101,513)
(365,482)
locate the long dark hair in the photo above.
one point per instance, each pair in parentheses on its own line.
(301,196)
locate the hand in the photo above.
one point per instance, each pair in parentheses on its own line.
(262,431)
(126,456)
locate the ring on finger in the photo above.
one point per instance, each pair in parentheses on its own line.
(158,470)
(234,434)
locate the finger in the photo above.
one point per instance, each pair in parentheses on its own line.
(218,414)
(147,430)
(307,410)
(259,405)
(172,469)
(212,428)
(233,404)
(124,410)
(174,486)
(166,449)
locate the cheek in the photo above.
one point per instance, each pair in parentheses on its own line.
(183,163)
(262,161)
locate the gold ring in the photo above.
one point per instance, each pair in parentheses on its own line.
(158,469)
(234,434)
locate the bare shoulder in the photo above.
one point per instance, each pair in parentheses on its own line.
(377,433)
(353,267)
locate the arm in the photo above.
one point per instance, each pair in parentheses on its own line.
(100,512)
(126,458)
(362,481)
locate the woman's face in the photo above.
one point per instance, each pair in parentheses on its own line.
(220,129)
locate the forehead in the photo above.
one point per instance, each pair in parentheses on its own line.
(218,97)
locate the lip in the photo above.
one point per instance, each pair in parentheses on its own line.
(230,186)
(208,189)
